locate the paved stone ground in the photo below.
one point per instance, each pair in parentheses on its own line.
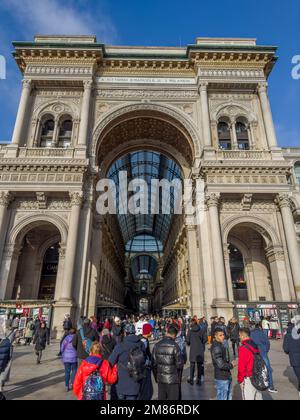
(46,381)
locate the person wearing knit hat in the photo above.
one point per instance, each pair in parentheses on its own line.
(146,392)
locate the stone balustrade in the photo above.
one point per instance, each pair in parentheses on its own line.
(46,152)
(244,154)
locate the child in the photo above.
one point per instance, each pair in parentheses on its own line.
(93,374)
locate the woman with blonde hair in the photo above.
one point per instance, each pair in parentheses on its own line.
(93,375)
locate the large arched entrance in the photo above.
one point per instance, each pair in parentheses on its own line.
(34,266)
(255,263)
(146,144)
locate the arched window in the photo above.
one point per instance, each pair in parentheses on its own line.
(297,173)
(224,135)
(65,133)
(242,135)
(47,132)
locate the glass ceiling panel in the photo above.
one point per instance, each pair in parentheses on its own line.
(145,165)
(145,266)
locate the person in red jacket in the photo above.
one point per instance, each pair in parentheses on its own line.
(91,364)
(245,366)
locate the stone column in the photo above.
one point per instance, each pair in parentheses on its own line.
(234,141)
(284,203)
(276,259)
(67,286)
(218,253)
(267,115)
(85,113)
(5,200)
(20,119)
(205,115)
(228,272)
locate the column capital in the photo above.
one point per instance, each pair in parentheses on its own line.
(283,201)
(262,87)
(76,199)
(6,198)
(88,85)
(203,87)
(27,83)
(212,199)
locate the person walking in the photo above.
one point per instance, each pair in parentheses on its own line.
(167,364)
(117,329)
(29,332)
(67,325)
(40,340)
(181,342)
(274,326)
(222,366)
(213,326)
(266,326)
(130,357)
(83,340)
(93,375)
(263,343)
(233,330)
(108,343)
(69,358)
(6,352)
(146,391)
(196,339)
(291,346)
(245,366)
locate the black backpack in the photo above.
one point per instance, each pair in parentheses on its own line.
(136,364)
(260,376)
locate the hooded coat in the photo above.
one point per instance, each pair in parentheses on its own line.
(91,364)
(291,345)
(196,339)
(68,352)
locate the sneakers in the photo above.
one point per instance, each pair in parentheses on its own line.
(273,390)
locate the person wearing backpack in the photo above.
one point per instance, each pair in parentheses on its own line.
(69,358)
(130,357)
(83,340)
(251,368)
(92,376)
(263,343)
(167,364)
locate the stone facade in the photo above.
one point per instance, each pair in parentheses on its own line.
(170,100)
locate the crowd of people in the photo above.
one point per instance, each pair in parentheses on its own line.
(119,358)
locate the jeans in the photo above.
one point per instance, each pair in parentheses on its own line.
(270,370)
(70,371)
(224,390)
(168,392)
(156,334)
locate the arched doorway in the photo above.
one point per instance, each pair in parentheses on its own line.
(250,270)
(36,267)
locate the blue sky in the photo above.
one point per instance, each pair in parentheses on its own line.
(157,22)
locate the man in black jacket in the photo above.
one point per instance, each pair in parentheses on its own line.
(167,364)
(221,361)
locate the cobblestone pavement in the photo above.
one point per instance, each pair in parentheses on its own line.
(29,381)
